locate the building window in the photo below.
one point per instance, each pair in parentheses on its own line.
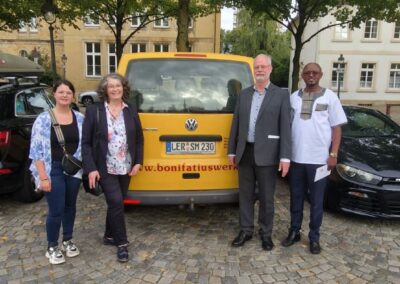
(342,32)
(93,59)
(112,58)
(397,30)
(23,53)
(338,67)
(161,47)
(367,75)
(371,29)
(137,19)
(91,21)
(190,23)
(161,23)
(138,47)
(112,20)
(31,25)
(394,80)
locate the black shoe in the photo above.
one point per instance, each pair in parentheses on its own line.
(241,239)
(122,253)
(292,238)
(315,248)
(109,241)
(266,243)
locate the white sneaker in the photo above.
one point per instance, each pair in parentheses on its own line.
(55,255)
(70,248)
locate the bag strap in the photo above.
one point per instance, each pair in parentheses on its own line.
(57,130)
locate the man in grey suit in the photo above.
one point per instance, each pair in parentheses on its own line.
(260,145)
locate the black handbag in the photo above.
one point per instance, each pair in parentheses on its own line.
(69,163)
(97,190)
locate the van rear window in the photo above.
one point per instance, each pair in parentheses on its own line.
(186,85)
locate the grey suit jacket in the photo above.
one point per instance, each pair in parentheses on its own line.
(272,132)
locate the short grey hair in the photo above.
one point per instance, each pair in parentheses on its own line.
(265,56)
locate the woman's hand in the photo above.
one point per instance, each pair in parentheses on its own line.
(93,177)
(45,185)
(135,170)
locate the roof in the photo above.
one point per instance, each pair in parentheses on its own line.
(16,66)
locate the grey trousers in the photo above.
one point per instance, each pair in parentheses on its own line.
(265,177)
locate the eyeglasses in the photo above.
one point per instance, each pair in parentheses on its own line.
(308,73)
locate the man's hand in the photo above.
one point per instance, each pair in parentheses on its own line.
(232,159)
(284,168)
(332,161)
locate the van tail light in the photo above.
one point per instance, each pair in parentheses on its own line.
(132,201)
(4,138)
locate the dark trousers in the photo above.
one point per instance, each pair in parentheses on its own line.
(115,188)
(61,201)
(301,179)
(265,177)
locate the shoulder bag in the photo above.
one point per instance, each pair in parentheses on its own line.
(70,164)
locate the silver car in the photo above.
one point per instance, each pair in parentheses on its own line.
(88,97)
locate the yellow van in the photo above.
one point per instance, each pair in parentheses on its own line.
(185,102)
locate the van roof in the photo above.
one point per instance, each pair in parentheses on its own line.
(126,57)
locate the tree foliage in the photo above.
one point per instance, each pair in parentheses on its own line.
(12,12)
(295,15)
(254,34)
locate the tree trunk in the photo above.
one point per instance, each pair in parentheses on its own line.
(182,40)
(296,62)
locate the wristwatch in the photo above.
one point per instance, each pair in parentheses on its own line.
(333,155)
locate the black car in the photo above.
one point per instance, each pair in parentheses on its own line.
(366,180)
(20,104)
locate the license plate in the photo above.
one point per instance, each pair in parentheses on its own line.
(190,147)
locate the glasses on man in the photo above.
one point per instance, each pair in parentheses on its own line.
(313,73)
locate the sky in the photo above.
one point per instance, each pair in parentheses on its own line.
(227,18)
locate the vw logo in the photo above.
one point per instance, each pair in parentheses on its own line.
(191,124)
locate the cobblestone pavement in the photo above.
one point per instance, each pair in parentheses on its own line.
(172,245)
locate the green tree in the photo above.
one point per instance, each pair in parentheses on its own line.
(13,12)
(118,13)
(254,34)
(295,15)
(186,10)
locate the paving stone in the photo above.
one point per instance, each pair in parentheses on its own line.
(170,245)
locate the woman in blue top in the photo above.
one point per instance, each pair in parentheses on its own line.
(60,189)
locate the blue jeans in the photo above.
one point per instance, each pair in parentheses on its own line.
(301,179)
(61,203)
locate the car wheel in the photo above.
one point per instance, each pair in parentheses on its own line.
(27,192)
(87,101)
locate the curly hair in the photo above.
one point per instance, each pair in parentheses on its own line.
(102,87)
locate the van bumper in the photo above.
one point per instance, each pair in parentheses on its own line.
(168,197)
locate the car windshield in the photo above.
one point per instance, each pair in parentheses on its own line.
(184,85)
(368,123)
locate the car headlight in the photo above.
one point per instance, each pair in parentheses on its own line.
(357,175)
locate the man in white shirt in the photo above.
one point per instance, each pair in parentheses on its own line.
(317,116)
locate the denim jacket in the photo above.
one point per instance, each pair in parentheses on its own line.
(40,148)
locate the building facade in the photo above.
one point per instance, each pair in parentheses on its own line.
(368,70)
(90,50)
